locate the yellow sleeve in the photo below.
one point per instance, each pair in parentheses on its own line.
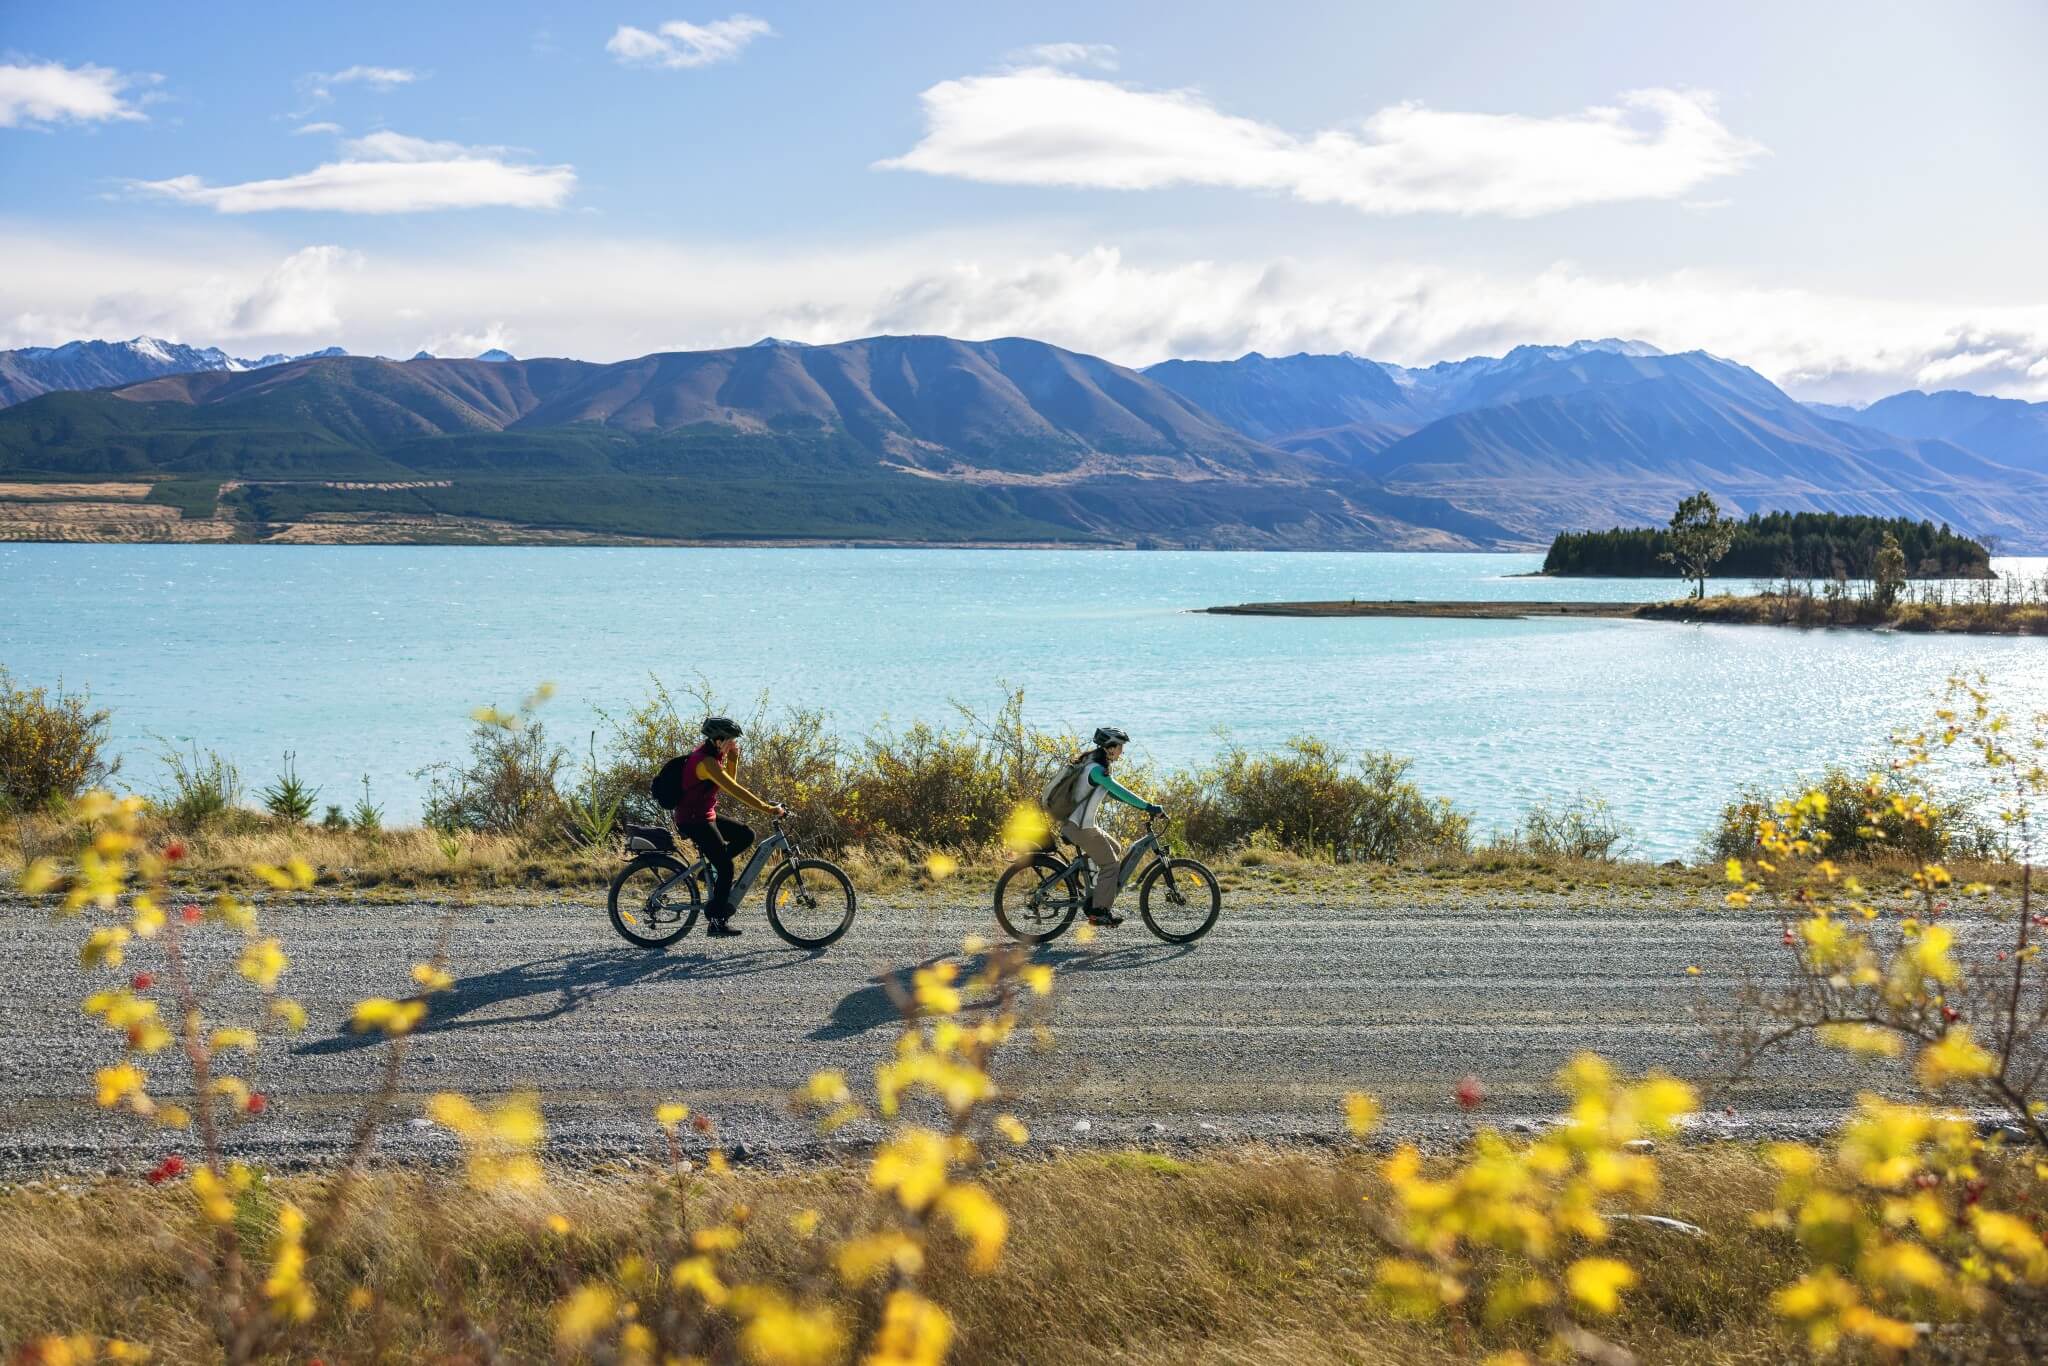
(729,783)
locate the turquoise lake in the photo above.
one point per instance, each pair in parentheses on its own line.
(368,660)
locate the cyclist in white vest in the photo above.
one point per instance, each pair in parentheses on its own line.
(1090,784)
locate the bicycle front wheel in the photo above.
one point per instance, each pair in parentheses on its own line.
(810,902)
(1179,899)
(653,901)
(1036,900)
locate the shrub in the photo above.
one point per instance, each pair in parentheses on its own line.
(1314,798)
(200,787)
(1583,828)
(1865,816)
(505,787)
(51,747)
(291,798)
(365,818)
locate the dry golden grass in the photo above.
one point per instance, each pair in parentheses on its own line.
(1254,1256)
(1257,1255)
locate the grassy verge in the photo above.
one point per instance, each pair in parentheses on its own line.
(1977,616)
(1253,1255)
(403,863)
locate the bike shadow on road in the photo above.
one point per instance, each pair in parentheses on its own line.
(561,984)
(875,1004)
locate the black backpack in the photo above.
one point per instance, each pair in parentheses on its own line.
(667,787)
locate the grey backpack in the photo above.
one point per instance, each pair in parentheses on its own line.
(1058,797)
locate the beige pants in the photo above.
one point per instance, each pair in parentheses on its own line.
(1108,856)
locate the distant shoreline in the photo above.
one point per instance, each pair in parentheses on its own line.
(1755,610)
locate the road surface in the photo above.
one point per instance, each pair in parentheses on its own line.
(1256,1032)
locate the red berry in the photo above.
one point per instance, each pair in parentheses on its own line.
(1471,1093)
(189,914)
(257,1103)
(702,1124)
(165,1170)
(1949,1014)
(142,981)
(174,1165)
(1791,938)
(175,850)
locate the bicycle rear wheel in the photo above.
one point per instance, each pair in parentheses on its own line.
(810,902)
(1179,899)
(1036,899)
(653,901)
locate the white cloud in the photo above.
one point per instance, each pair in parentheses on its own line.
(49,92)
(316,128)
(470,343)
(300,298)
(387,173)
(1044,126)
(1101,56)
(680,45)
(379,77)
(610,298)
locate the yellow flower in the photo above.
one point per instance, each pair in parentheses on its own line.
(286,1285)
(104,948)
(115,1084)
(244,1039)
(1038,977)
(1952,1057)
(1012,1128)
(296,875)
(696,1273)
(291,1012)
(827,1088)
(587,1312)
(1596,1283)
(779,1333)
(431,977)
(914,1332)
(1361,1114)
(1862,1038)
(975,1216)
(671,1114)
(941,866)
(804,1222)
(393,1017)
(933,988)
(862,1259)
(913,1165)
(723,1238)
(262,962)
(558,1225)
(39,877)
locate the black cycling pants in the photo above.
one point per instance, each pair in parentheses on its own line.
(720,841)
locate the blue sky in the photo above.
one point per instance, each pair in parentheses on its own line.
(1845,196)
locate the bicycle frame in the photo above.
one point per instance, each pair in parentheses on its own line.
(1151,842)
(778,842)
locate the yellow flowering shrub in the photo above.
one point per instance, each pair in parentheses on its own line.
(1508,1231)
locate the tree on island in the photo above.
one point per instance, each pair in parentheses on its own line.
(1890,571)
(1700,536)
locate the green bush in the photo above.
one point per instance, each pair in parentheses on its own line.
(1583,828)
(1863,822)
(506,786)
(52,748)
(291,798)
(199,789)
(1314,799)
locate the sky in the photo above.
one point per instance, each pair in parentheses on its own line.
(1847,197)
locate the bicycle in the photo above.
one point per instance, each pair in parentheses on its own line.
(1037,897)
(655,898)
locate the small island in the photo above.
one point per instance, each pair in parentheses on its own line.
(2024,614)
(1812,546)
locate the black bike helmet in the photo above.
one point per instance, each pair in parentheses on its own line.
(721,728)
(1106,736)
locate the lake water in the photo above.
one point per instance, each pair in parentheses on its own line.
(369,660)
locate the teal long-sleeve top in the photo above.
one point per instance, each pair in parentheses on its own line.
(1098,776)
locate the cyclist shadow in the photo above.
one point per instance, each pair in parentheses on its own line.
(559,985)
(876,1004)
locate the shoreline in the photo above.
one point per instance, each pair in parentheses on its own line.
(1765,610)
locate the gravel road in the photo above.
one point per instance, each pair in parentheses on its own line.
(1256,1032)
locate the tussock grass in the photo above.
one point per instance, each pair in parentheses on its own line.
(1255,1255)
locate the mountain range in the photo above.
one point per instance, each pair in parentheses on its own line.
(930,438)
